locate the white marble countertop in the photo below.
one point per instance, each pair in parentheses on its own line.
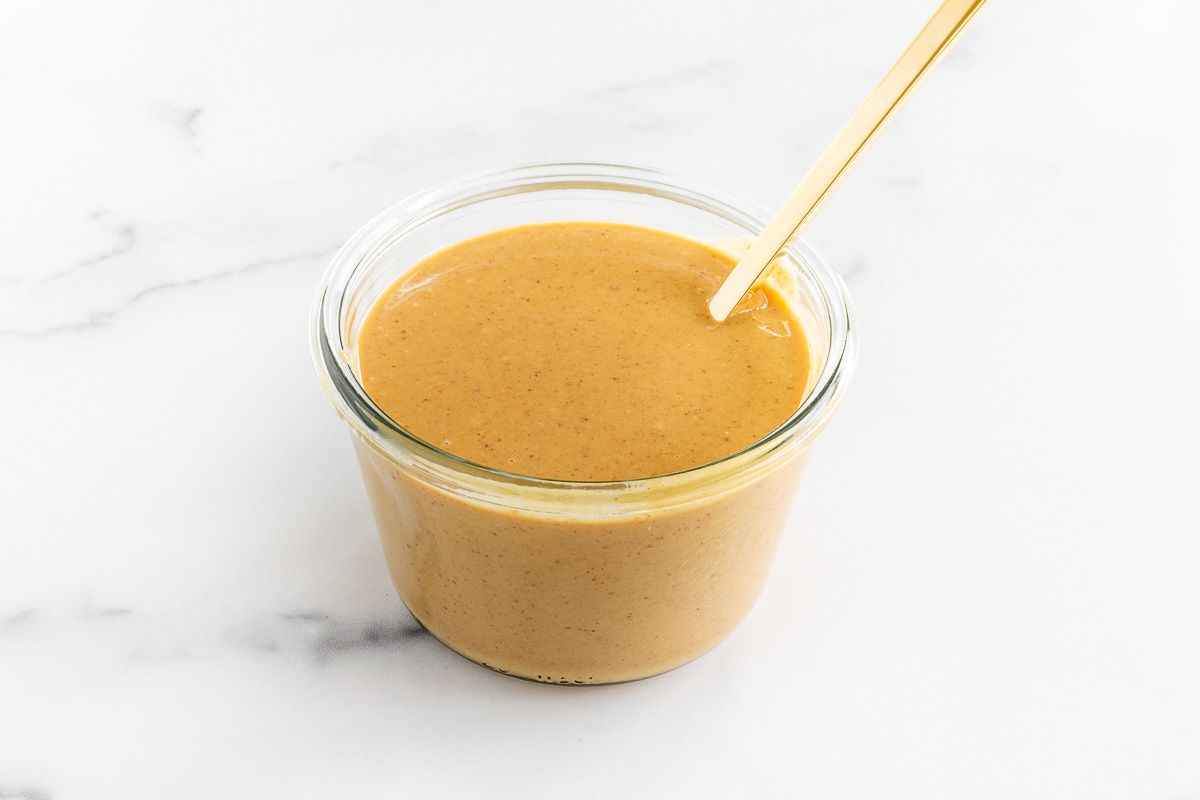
(991,583)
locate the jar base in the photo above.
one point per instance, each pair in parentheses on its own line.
(549,680)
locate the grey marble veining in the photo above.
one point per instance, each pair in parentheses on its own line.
(185,120)
(23,793)
(126,238)
(101,318)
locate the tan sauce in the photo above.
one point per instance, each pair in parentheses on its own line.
(579,351)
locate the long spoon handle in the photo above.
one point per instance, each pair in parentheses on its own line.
(933,40)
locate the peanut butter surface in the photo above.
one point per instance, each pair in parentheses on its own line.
(580,351)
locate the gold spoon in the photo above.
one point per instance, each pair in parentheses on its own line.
(933,40)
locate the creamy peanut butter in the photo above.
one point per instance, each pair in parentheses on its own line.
(579,351)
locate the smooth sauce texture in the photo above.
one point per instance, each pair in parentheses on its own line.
(580,351)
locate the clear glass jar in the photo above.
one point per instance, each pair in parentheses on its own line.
(569,582)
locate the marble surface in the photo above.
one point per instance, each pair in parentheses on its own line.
(989,588)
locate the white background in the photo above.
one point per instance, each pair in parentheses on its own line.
(989,587)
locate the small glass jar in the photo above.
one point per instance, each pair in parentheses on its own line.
(558,581)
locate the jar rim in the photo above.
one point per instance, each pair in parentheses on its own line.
(522,492)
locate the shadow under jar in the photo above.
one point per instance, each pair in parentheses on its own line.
(559,581)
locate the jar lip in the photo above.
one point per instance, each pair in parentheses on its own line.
(346,393)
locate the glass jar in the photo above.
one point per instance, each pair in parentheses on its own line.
(558,581)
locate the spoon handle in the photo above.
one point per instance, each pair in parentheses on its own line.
(858,132)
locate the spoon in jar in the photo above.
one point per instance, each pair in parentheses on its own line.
(933,40)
